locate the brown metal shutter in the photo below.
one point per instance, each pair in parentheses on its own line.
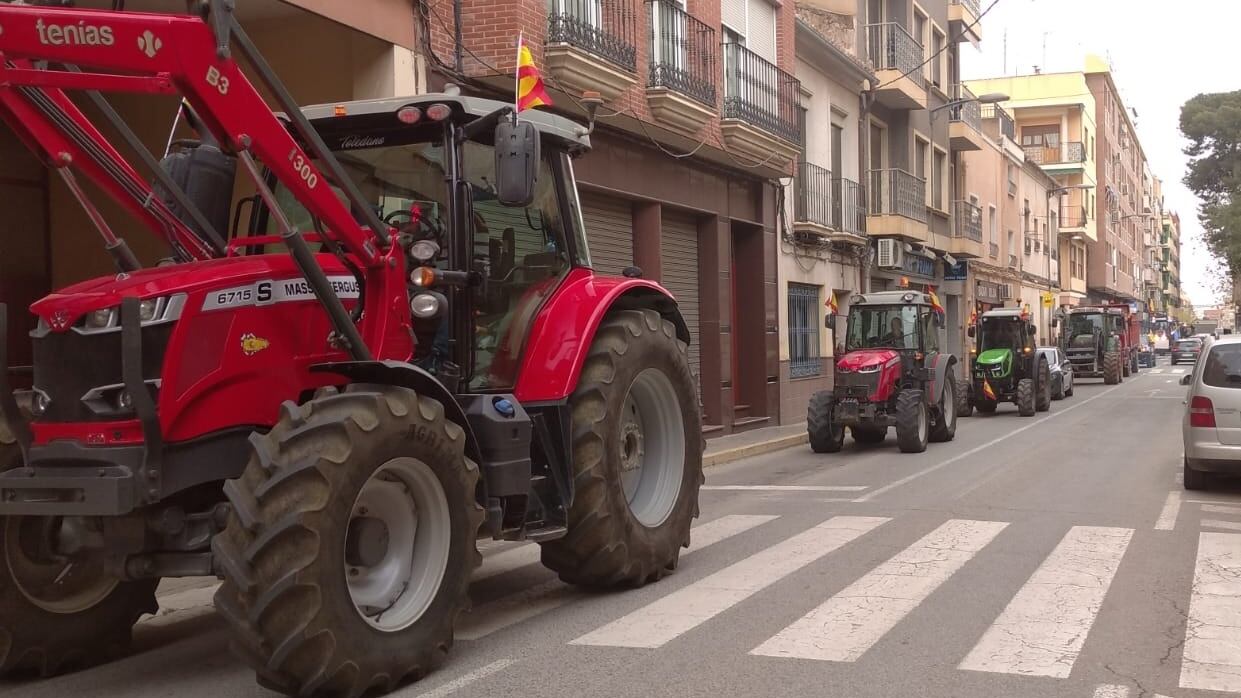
(679,259)
(609,232)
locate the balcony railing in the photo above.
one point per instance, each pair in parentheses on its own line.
(605,28)
(898,193)
(760,94)
(994,251)
(848,206)
(890,47)
(1012,261)
(974,6)
(1007,126)
(683,52)
(968,113)
(812,200)
(1067,152)
(967,221)
(1072,216)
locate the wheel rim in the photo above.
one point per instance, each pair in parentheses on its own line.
(652,445)
(397,544)
(923,426)
(950,405)
(59,586)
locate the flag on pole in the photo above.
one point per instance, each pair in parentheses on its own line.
(935,306)
(530,90)
(987,391)
(832,308)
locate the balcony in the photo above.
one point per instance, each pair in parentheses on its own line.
(1067,153)
(897,59)
(848,206)
(681,87)
(993,251)
(963,16)
(1072,218)
(591,45)
(965,122)
(966,230)
(828,207)
(997,122)
(897,204)
(761,104)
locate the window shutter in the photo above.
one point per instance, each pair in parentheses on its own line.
(761,37)
(732,12)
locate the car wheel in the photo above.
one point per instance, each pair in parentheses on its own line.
(1069,391)
(1194,479)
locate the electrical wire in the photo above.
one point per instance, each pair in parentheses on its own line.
(947,44)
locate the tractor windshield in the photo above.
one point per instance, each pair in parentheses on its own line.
(1000,333)
(882,326)
(1083,323)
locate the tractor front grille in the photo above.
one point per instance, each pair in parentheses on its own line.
(857,385)
(67,365)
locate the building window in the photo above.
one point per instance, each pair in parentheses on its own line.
(991,224)
(804,331)
(939,180)
(937,47)
(922,163)
(1012,180)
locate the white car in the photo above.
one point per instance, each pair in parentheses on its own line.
(1211,427)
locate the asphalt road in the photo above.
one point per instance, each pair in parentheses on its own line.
(1047,556)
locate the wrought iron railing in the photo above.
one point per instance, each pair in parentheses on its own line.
(683,52)
(967,221)
(848,206)
(760,94)
(891,47)
(1072,216)
(974,6)
(1067,152)
(1008,127)
(995,250)
(968,113)
(804,327)
(605,28)
(899,193)
(812,200)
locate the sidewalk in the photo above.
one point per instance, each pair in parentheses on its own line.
(726,449)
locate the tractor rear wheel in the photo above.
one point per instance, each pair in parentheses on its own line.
(913,421)
(825,435)
(1042,400)
(348,554)
(1125,368)
(944,425)
(637,456)
(1111,368)
(1134,365)
(869,435)
(1025,397)
(54,617)
(965,406)
(986,406)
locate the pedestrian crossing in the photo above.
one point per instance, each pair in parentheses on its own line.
(1174,370)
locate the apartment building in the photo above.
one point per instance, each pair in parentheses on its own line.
(1170,256)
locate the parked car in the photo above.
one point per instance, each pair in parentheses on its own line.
(1186,350)
(1211,428)
(1061,372)
(1162,343)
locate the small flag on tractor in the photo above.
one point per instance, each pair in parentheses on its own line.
(530,90)
(832,308)
(935,306)
(987,391)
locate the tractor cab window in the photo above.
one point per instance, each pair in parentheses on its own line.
(882,326)
(1084,323)
(930,331)
(1000,333)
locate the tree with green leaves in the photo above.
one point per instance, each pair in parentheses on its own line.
(1212,123)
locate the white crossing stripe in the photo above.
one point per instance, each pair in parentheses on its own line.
(1111,690)
(1043,628)
(664,620)
(1220,509)
(1179,370)
(1154,370)
(463,681)
(787,488)
(1171,508)
(1212,657)
(851,622)
(528,603)
(1224,525)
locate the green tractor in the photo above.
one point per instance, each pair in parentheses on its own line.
(1007,366)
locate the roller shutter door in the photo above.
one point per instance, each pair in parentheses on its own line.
(679,259)
(609,232)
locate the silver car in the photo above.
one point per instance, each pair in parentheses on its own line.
(1212,424)
(1061,372)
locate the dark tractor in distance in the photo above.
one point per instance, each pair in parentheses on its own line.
(893,374)
(1008,367)
(1096,339)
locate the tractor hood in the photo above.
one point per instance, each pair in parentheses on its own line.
(867,360)
(1001,359)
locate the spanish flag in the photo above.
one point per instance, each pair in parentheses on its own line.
(935,306)
(832,308)
(987,391)
(530,90)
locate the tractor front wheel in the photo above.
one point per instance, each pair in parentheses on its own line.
(1025,397)
(1111,368)
(637,456)
(1042,401)
(912,421)
(965,406)
(825,435)
(348,554)
(869,435)
(1125,368)
(944,424)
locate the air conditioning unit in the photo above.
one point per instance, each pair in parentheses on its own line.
(891,254)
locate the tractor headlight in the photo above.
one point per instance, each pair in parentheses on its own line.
(39,402)
(427,305)
(424,251)
(147,309)
(869,369)
(100,319)
(151,311)
(124,401)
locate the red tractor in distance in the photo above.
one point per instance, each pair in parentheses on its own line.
(403,349)
(1102,341)
(893,374)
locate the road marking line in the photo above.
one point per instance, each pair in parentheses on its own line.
(1211,660)
(463,681)
(1111,690)
(1155,370)
(1226,525)
(1043,628)
(528,603)
(1220,509)
(943,464)
(662,621)
(1171,508)
(847,625)
(787,488)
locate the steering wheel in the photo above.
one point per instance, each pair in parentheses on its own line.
(426,228)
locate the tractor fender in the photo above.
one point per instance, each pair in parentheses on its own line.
(409,376)
(940,371)
(565,327)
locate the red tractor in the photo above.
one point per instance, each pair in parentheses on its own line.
(892,375)
(1102,341)
(402,350)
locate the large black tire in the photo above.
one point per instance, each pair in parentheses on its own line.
(1195,479)
(869,435)
(1068,392)
(1111,368)
(39,639)
(1042,397)
(944,425)
(986,406)
(912,421)
(1025,397)
(1124,367)
(1134,365)
(286,594)
(825,435)
(608,544)
(1058,388)
(965,406)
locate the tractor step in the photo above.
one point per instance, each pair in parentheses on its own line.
(547,533)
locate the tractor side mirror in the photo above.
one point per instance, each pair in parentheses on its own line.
(969,331)
(1187,379)
(830,323)
(1033,330)
(517,162)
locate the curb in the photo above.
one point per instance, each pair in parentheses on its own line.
(734,454)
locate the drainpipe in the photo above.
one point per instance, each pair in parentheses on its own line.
(865,99)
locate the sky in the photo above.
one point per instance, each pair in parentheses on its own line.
(1159,59)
